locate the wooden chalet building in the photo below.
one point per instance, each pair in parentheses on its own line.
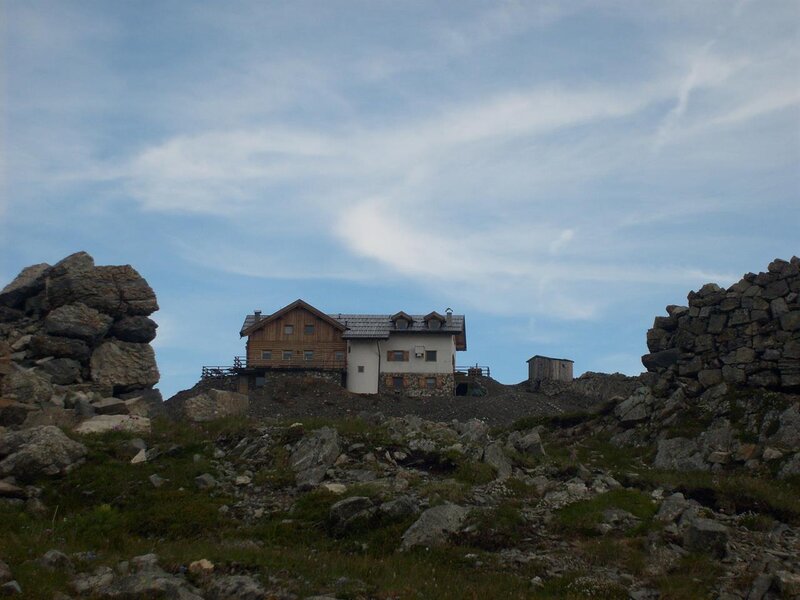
(413,354)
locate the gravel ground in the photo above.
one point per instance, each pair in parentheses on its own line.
(309,397)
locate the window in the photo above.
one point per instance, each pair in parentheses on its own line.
(260,381)
(360,368)
(308,329)
(266,355)
(434,324)
(308,355)
(430,383)
(398,355)
(401,324)
(430,356)
(288,329)
(338,355)
(397,383)
(287,355)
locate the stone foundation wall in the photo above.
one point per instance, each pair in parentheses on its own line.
(272,377)
(416,385)
(747,335)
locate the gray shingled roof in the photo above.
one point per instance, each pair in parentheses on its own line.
(379,326)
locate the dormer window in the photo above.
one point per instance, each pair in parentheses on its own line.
(434,320)
(402,320)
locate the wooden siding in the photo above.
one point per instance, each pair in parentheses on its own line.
(324,342)
(541,368)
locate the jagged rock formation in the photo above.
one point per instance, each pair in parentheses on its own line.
(747,335)
(72,336)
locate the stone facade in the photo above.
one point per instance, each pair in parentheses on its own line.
(416,385)
(747,335)
(274,376)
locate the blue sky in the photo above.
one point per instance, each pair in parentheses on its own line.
(557,171)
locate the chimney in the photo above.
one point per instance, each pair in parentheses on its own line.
(449,318)
(258,315)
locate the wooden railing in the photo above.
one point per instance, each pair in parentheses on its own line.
(474,371)
(240,363)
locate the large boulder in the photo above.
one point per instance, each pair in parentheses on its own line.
(434,526)
(29,453)
(313,456)
(215,404)
(494,456)
(104,423)
(61,371)
(679,454)
(42,346)
(77,321)
(113,290)
(236,587)
(27,386)
(29,282)
(706,536)
(137,329)
(124,365)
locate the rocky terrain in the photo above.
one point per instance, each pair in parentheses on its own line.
(607,488)
(74,347)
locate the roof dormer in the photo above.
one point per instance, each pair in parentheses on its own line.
(434,320)
(402,320)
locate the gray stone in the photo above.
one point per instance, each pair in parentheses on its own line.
(313,456)
(28,387)
(706,536)
(710,377)
(205,481)
(672,508)
(62,371)
(29,282)
(761,585)
(9,490)
(679,454)
(30,453)
(788,434)
(530,444)
(494,456)
(137,329)
(55,560)
(110,406)
(114,290)
(660,360)
(235,587)
(473,431)
(104,423)
(77,321)
(400,507)
(156,480)
(788,584)
(10,588)
(791,467)
(215,404)
(124,365)
(790,321)
(42,346)
(434,526)
(346,512)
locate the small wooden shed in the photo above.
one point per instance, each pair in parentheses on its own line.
(545,368)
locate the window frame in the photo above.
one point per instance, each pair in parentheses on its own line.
(398,382)
(285,353)
(308,329)
(266,355)
(308,356)
(431,383)
(434,354)
(288,329)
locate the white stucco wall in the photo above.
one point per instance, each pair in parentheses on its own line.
(362,353)
(371,353)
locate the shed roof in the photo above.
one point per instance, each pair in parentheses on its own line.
(548,358)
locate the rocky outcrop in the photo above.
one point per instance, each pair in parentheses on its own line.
(38,451)
(748,335)
(434,526)
(313,455)
(209,405)
(72,336)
